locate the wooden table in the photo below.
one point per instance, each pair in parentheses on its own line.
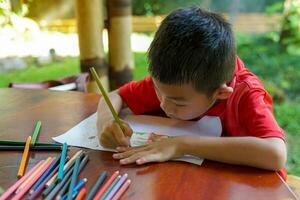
(59,111)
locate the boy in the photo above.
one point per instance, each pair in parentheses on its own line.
(195,72)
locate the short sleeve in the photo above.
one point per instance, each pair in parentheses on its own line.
(257,115)
(140,96)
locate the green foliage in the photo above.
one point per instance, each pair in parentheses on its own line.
(264,57)
(290,34)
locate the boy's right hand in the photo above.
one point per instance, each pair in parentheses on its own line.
(111,135)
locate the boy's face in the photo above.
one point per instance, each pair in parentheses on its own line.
(181,102)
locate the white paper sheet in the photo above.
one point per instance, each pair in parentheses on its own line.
(84,134)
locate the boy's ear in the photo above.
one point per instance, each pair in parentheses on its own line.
(223,92)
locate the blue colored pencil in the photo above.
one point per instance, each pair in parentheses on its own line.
(62,162)
(45,175)
(74,178)
(98,183)
(76,189)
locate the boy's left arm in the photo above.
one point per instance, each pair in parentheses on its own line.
(266,153)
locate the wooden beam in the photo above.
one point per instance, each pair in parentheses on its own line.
(89,27)
(119,31)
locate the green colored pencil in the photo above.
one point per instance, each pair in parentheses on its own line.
(110,188)
(36,132)
(112,110)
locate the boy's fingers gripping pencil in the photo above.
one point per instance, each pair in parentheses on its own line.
(113,112)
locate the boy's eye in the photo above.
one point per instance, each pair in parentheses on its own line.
(178,105)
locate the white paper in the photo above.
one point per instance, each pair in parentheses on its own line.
(84,134)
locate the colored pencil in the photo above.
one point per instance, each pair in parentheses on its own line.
(21,143)
(52,194)
(34,148)
(74,178)
(12,189)
(24,158)
(112,110)
(20,194)
(36,132)
(106,185)
(46,174)
(122,190)
(66,167)
(117,187)
(34,174)
(40,188)
(110,188)
(62,162)
(76,189)
(81,194)
(98,183)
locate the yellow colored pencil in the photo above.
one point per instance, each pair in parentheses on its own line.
(24,157)
(110,106)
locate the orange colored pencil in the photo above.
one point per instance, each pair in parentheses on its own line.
(81,194)
(24,157)
(106,185)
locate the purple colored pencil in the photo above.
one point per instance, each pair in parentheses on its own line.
(117,187)
(40,188)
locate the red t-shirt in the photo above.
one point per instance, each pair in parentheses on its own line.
(247,112)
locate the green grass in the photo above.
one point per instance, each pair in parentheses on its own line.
(69,66)
(287,114)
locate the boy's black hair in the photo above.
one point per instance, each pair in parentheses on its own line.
(193,46)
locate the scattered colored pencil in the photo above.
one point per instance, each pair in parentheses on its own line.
(112,110)
(122,190)
(34,174)
(106,185)
(96,186)
(62,162)
(36,132)
(110,188)
(46,174)
(81,194)
(30,184)
(76,189)
(34,148)
(74,178)
(40,188)
(22,143)
(24,158)
(116,187)
(66,167)
(12,189)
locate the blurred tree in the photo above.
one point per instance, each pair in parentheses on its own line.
(290,31)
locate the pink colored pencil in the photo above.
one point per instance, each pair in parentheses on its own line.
(6,194)
(106,185)
(30,184)
(122,190)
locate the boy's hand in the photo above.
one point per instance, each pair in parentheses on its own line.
(112,135)
(159,151)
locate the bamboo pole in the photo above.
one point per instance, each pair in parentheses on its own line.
(89,27)
(119,31)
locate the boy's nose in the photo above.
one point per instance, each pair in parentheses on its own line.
(166,106)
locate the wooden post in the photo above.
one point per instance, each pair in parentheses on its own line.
(90,26)
(119,32)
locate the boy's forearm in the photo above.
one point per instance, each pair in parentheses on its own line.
(104,112)
(269,153)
